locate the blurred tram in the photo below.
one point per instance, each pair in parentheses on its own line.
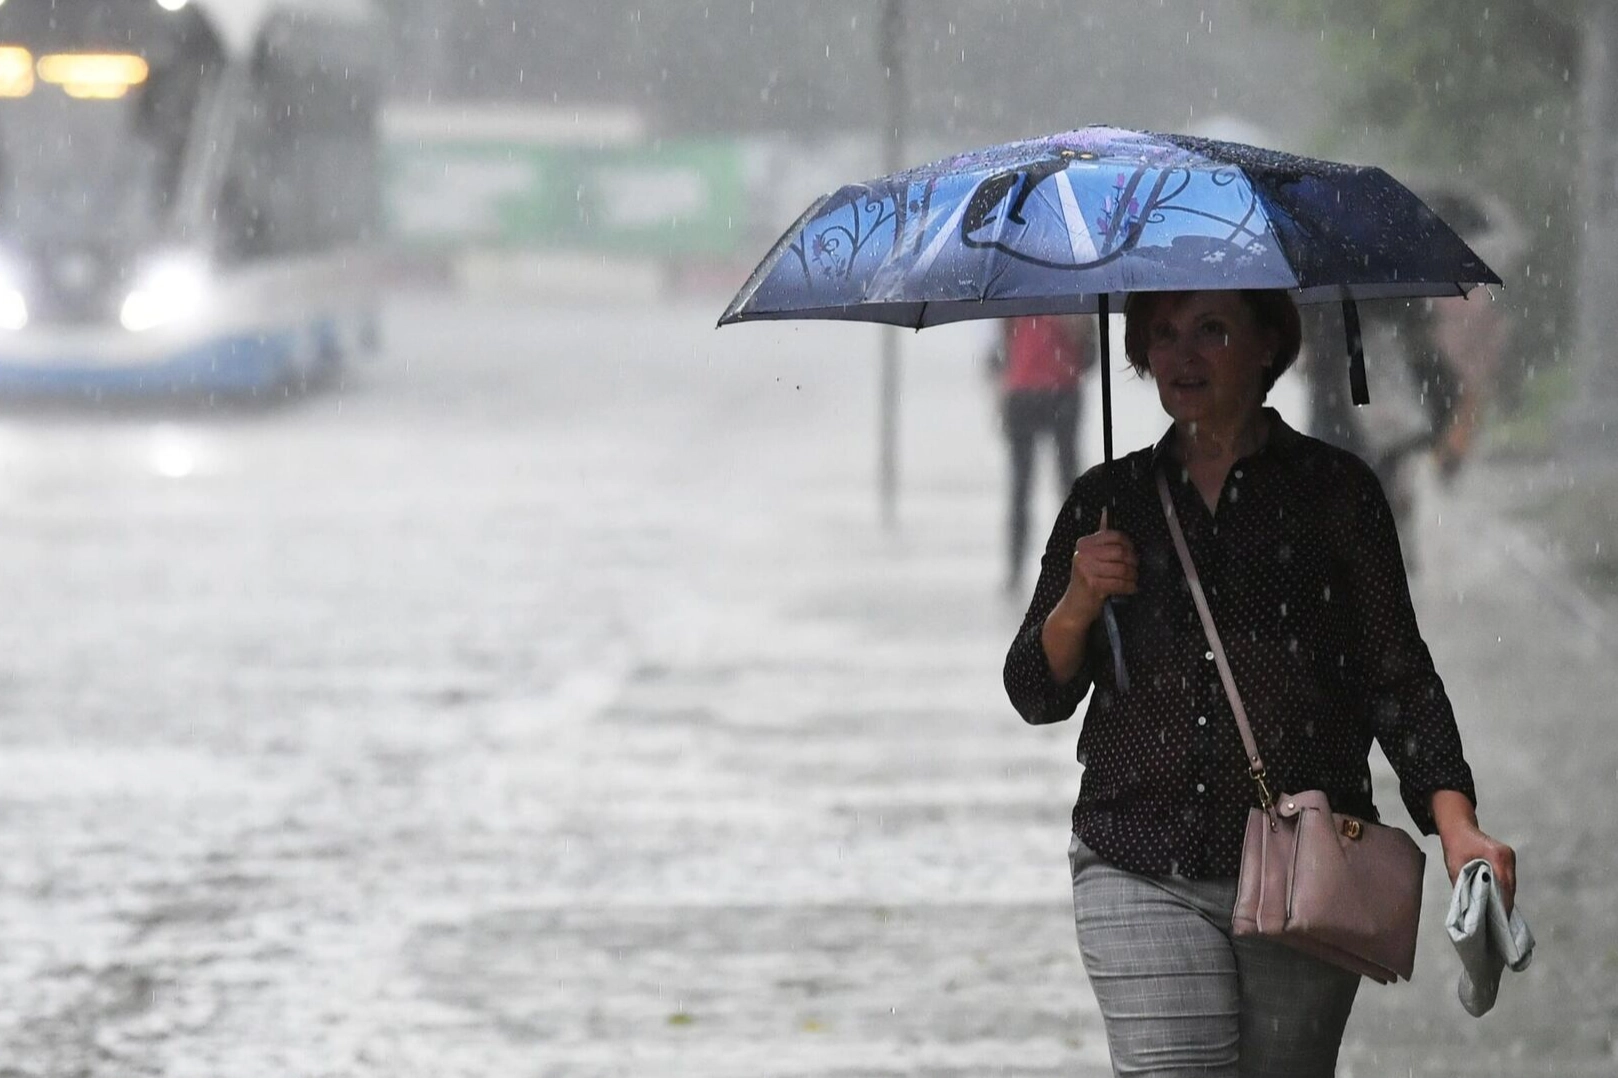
(189,194)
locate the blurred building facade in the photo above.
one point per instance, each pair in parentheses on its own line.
(977,71)
(696,132)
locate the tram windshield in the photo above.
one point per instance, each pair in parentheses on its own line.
(77,169)
(96,105)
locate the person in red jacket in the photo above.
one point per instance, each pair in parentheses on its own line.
(1038,365)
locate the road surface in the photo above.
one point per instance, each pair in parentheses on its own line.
(548,699)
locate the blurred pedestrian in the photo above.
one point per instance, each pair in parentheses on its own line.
(1434,366)
(1470,337)
(1038,365)
(1296,549)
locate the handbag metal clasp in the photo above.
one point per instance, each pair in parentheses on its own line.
(1266,799)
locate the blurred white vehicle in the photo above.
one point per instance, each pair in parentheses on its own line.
(188,194)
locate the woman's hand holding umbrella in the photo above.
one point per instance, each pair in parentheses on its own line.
(1104,565)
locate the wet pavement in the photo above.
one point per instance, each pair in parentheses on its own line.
(549,699)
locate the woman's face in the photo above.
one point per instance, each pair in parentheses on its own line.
(1208,355)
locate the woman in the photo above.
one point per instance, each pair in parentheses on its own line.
(1297,551)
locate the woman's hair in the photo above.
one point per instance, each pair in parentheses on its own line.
(1272,309)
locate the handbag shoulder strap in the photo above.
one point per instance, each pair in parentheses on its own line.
(1254,761)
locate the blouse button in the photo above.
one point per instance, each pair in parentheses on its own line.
(1207,655)
(1201,788)
(1238,473)
(1202,721)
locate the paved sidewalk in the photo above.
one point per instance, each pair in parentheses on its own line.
(860,846)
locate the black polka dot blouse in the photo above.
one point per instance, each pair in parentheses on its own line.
(1304,575)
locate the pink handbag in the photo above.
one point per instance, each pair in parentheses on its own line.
(1339,888)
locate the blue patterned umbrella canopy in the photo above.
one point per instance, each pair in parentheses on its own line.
(1052,225)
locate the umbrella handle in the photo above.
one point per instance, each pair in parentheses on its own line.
(1116,641)
(1109,615)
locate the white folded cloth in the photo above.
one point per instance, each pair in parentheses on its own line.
(1487,939)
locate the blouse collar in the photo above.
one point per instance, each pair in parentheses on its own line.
(1283,440)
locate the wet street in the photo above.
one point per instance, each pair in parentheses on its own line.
(548,698)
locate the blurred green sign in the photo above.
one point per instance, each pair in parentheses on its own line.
(673,197)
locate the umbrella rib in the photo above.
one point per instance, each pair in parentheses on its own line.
(1080,242)
(925,263)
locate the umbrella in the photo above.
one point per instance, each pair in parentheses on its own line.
(1076,222)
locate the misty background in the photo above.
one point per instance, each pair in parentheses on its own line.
(1495,99)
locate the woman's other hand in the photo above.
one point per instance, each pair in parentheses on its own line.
(1464,841)
(1104,565)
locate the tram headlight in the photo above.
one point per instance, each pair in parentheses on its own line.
(169,291)
(13,305)
(13,308)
